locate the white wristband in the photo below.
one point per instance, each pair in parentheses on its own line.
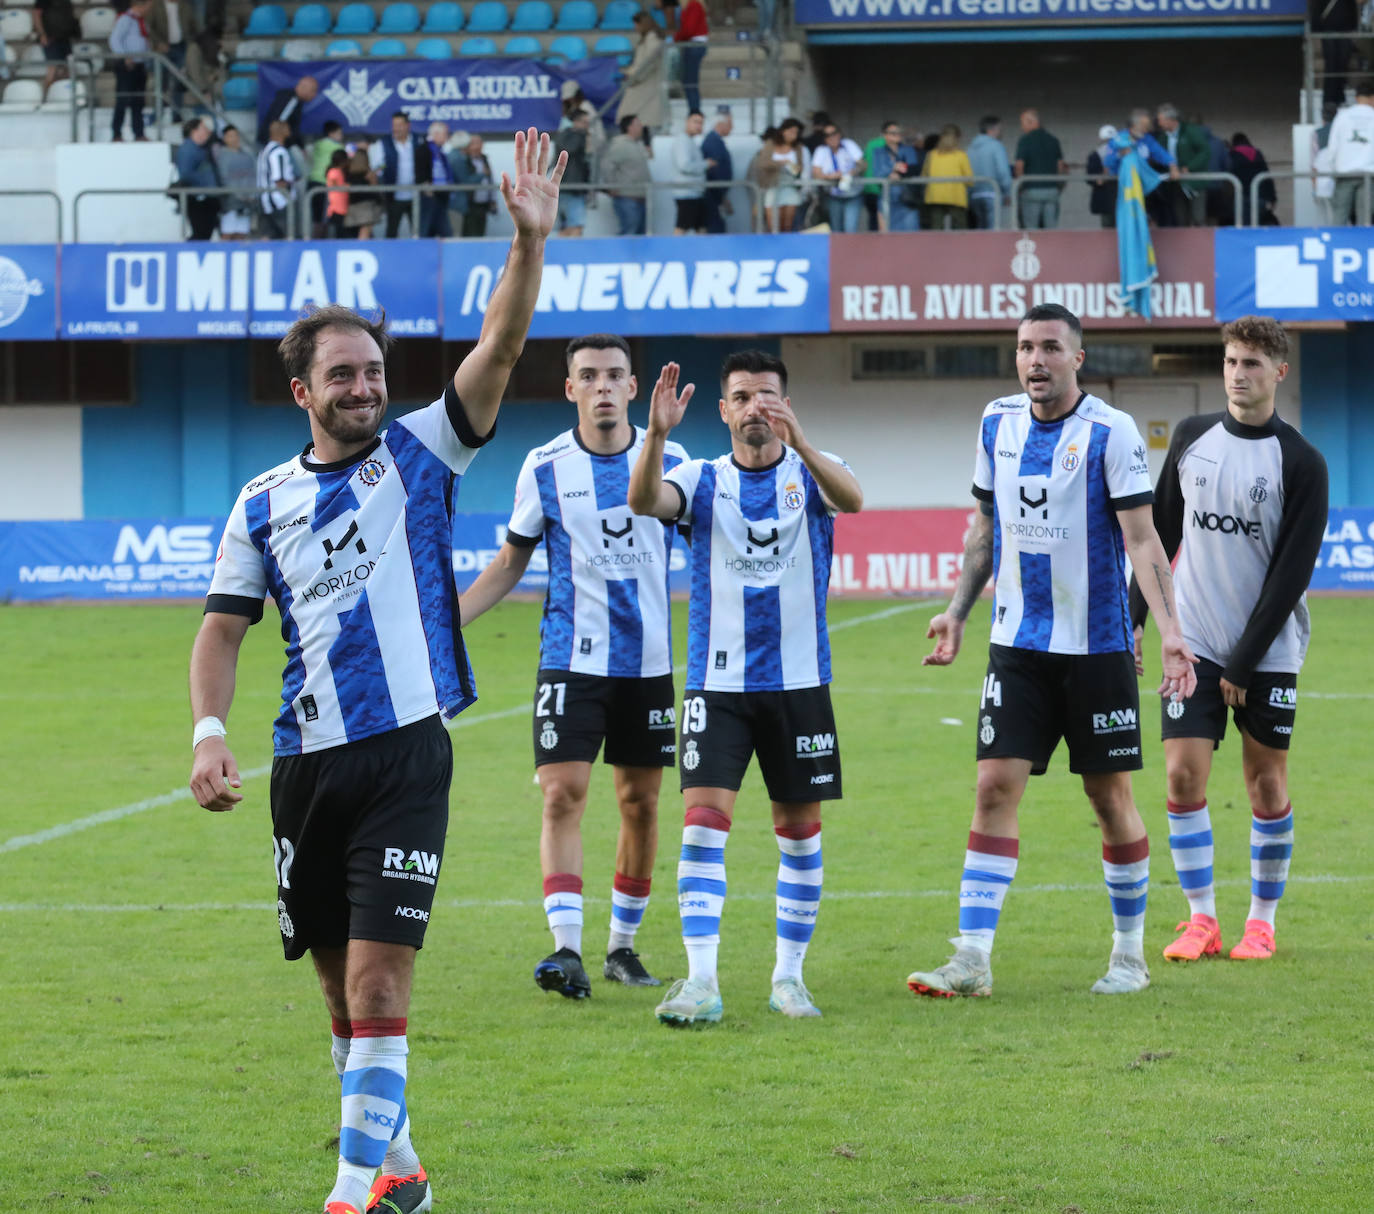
(207,727)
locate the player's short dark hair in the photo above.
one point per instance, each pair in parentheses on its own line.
(754,362)
(625,120)
(1261,333)
(598,341)
(1365,88)
(695,114)
(400,114)
(1054,311)
(987,122)
(297,348)
(331,125)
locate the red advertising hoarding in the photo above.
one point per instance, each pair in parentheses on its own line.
(914,552)
(930,281)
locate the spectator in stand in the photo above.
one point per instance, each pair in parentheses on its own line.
(1247,163)
(947,200)
(1038,153)
(321,157)
(691,36)
(689,171)
(336,208)
(129,42)
(471,167)
(720,166)
(364,210)
(764,172)
(573,138)
(896,160)
(1159,158)
(239,171)
(1322,158)
(276,181)
(1352,144)
(1188,144)
(1102,201)
(838,161)
(625,174)
(575,102)
(172,24)
(401,159)
(434,207)
(643,96)
(988,158)
(55,24)
(288,105)
(195,165)
(784,209)
(820,123)
(1335,17)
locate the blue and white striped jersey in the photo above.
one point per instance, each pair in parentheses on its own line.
(606,609)
(358,556)
(1058,558)
(761,546)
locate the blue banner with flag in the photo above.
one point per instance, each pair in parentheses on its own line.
(28,292)
(1295,273)
(1134,248)
(468,94)
(653,285)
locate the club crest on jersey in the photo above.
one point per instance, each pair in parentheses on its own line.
(986,733)
(1070,460)
(288,929)
(548,736)
(1259,490)
(1174,709)
(370,471)
(792,496)
(691,757)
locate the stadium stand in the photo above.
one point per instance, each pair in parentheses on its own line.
(434,48)
(355,19)
(615,44)
(619,15)
(302,50)
(400,18)
(343,48)
(21,96)
(256,48)
(387,46)
(443,17)
(311,19)
(241,93)
(524,45)
(487,17)
(566,48)
(16,24)
(479,46)
(265,21)
(97,22)
(532,16)
(576,16)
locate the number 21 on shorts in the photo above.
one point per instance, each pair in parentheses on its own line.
(557,692)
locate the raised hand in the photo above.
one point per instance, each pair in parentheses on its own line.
(783,422)
(532,198)
(666,407)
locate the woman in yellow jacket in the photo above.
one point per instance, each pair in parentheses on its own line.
(946,199)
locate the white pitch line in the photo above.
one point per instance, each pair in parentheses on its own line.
(86,908)
(63,829)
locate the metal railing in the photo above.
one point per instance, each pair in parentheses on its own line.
(1362,200)
(1043,179)
(177,193)
(56,200)
(1315,52)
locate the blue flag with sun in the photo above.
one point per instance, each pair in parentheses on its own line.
(1135,250)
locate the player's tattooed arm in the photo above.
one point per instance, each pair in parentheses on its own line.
(977,566)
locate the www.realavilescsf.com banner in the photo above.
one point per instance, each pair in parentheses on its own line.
(988,13)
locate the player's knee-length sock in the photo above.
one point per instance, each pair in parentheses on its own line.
(798,895)
(1126,868)
(373,1104)
(1271,849)
(1190,843)
(629,897)
(563,907)
(701,888)
(989,867)
(401,1159)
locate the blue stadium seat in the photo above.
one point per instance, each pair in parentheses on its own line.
(311,19)
(533,16)
(343,48)
(355,19)
(617,45)
(388,46)
(620,15)
(576,16)
(266,21)
(477,46)
(402,18)
(487,17)
(245,67)
(443,17)
(433,48)
(240,93)
(525,46)
(566,48)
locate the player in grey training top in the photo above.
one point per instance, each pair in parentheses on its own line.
(1242,500)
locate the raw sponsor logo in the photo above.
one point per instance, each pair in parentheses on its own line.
(662,718)
(815,746)
(1283,697)
(410,866)
(1116,721)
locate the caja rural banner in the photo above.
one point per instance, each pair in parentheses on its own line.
(1295,273)
(28,292)
(652,285)
(1347,556)
(1031,13)
(930,281)
(469,94)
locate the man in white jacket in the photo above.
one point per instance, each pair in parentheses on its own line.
(1352,140)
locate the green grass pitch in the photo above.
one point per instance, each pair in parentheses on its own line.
(157,1054)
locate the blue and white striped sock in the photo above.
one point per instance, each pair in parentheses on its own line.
(629,897)
(373,1105)
(563,909)
(1271,850)
(989,867)
(798,896)
(1126,868)
(701,888)
(401,1159)
(1190,844)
